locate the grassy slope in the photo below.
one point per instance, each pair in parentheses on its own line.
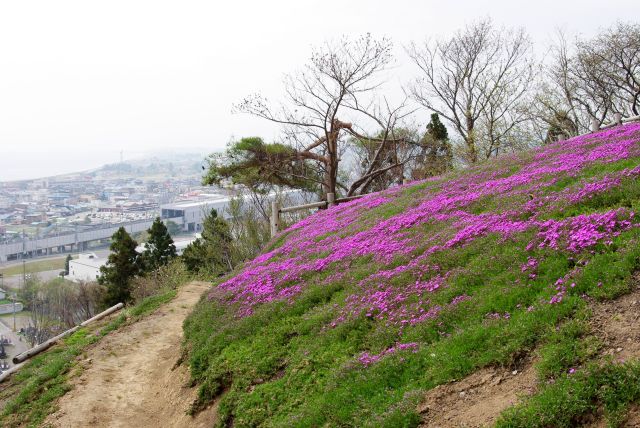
(309,335)
(35,266)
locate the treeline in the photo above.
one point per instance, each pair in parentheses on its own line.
(343,133)
(127,277)
(131,276)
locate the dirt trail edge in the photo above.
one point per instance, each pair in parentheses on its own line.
(128,378)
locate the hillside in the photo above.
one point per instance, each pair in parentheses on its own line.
(356,314)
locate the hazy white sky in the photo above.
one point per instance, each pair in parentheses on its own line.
(82,80)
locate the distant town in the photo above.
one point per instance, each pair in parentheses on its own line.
(77,212)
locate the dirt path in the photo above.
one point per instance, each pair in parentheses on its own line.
(129,378)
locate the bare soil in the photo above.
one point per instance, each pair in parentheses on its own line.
(617,325)
(130,378)
(478,400)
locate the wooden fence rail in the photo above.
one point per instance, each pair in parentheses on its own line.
(18,359)
(276,210)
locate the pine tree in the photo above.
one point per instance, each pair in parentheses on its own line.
(123,264)
(212,252)
(194,256)
(436,128)
(160,248)
(437,156)
(66,264)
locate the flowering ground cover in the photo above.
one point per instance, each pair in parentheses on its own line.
(354,312)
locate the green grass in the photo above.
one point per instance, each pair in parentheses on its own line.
(285,365)
(281,366)
(35,266)
(566,403)
(566,347)
(33,390)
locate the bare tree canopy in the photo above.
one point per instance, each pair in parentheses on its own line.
(590,79)
(478,80)
(330,102)
(340,134)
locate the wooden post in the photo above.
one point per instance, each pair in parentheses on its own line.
(595,125)
(11,370)
(331,199)
(45,345)
(405,181)
(275,217)
(617,118)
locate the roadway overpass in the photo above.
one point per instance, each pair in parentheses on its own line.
(69,241)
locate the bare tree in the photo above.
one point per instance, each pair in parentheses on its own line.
(590,79)
(330,101)
(611,62)
(58,304)
(87,298)
(476,80)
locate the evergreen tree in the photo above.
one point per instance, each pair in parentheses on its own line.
(212,252)
(160,248)
(437,156)
(436,128)
(66,264)
(194,256)
(123,264)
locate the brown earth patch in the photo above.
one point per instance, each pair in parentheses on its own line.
(478,399)
(129,379)
(616,323)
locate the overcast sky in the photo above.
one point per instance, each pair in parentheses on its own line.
(80,81)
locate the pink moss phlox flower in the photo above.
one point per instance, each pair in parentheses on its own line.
(366,359)
(440,215)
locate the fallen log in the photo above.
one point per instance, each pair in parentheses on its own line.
(45,345)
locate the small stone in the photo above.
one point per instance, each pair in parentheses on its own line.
(423,408)
(515,372)
(462,394)
(618,349)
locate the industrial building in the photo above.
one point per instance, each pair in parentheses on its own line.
(85,268)
(190,214)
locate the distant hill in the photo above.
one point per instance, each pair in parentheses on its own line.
(353,316)
(183,165)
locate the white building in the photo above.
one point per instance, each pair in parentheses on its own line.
(190,214)
(85,268)
(180,243)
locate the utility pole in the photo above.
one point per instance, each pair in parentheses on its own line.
(13,298)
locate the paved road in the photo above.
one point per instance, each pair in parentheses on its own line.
(18,345)
(100,252)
